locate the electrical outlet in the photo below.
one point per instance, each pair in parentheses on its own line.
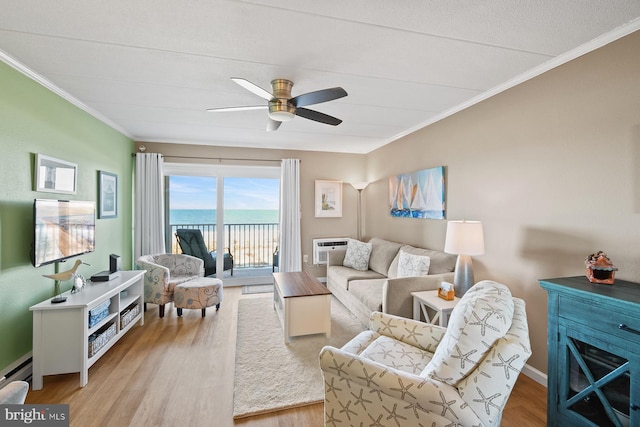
(305,258)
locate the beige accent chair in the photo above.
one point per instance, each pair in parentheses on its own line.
(14,393)
(163,273)
(408,373)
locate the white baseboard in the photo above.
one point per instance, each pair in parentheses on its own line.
(534,374)
(20,370)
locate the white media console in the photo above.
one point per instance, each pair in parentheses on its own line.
(62,332)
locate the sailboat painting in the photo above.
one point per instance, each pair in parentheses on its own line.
(418,194)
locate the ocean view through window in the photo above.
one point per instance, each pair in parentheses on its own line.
(231,216)
(250,217)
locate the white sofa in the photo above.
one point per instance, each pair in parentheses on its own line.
(379,288)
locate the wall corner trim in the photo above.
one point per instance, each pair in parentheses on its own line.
(60,92)
(624,30)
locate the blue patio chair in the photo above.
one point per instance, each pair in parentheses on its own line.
(192,243)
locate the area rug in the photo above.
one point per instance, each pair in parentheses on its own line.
(271,375)
(257,289)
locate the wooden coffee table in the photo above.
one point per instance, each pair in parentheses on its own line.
(303,304)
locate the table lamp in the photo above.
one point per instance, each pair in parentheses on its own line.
(464,238)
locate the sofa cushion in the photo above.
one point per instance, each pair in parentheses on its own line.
(382,254)
(340,276)
(357,256)
(484,314)
(397,354)
(369,292)
(439,262)
(411,265)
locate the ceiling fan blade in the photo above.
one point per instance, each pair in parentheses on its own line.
(317,116)
(246,108)
(318,96)
(251,87)
(273,125)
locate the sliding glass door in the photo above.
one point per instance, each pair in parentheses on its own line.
(251,225)
(235,209)
(192,212)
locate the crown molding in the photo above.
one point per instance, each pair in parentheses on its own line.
(598,42)
(12,62)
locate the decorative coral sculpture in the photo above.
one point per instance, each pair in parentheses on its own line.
(600,269)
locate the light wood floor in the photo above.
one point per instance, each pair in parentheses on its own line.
(179,372)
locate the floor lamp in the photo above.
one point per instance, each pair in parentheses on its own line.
(359,186)
(464,238)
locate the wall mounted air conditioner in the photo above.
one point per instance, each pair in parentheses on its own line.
(322,246)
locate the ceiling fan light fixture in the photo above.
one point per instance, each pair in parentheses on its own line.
(281,116)
(282,107)
(281,110)
(281,88)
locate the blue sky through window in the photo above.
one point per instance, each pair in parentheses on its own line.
(199,192)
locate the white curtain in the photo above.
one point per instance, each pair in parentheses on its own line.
(290,257)
(149,205)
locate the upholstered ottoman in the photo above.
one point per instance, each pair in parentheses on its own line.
(200,293)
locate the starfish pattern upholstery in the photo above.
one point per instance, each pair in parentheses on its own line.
(357,255)
(385,377)
(411,265)
(485,313)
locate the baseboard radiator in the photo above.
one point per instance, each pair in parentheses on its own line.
(20,370)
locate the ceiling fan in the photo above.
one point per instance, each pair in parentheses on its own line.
(282,107)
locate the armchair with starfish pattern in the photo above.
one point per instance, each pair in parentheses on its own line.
(402,372)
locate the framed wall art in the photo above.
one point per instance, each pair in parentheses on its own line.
(55,175)
(108,195)
(328,199)
(418,194)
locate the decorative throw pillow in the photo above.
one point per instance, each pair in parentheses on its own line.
(357,255)
(483,315)
(410,265)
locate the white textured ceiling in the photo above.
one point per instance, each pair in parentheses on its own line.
(151,68)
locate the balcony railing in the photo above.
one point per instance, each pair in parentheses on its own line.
(252,245)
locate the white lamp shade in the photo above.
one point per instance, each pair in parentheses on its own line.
(359,185)
(464,238)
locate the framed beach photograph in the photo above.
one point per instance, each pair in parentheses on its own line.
(328,199)
(108,194)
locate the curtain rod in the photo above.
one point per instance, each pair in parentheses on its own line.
(220,158)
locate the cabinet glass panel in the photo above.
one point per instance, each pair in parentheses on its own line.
(599,384)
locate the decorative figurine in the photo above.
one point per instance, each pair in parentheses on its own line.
(600,269)
(63,277)
(78,281)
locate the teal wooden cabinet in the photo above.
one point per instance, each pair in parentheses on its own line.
(594,353)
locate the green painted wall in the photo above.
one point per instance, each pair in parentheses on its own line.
(35,120)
